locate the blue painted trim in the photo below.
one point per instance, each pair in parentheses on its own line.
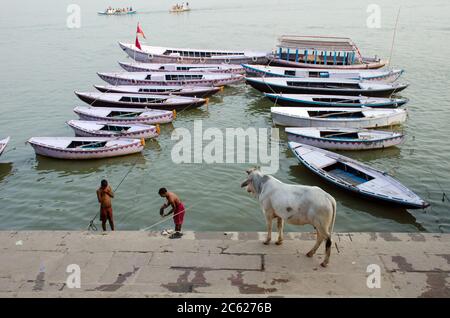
(306,56)
(296,55)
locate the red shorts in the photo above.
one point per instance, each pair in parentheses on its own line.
(105,214)
(178,214)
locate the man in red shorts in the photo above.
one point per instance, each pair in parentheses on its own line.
(177,210)
(104,195)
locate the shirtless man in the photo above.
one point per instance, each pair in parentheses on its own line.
(104,195)
(178,210)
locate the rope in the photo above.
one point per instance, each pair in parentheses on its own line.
(393,37)
(91,225)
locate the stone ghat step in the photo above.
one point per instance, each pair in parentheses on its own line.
(228,264)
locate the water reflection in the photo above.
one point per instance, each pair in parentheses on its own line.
(80,167)
(5,170)
(302,175)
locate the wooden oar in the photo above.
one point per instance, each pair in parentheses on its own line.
(337,134)
(337,113)
(127,114)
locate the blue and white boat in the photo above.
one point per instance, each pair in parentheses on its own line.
(304,100)
(385,75)
(344,138)
(355,177)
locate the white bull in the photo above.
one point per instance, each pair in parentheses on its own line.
(295,204)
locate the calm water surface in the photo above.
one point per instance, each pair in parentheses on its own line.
(43,62)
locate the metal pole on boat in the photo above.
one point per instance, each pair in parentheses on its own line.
(393,37)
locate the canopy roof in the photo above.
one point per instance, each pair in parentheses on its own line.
(322,43)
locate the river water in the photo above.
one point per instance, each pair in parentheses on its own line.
(44,61)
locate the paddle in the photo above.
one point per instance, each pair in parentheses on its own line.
(337,113)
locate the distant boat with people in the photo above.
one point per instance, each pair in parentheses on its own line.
(117,11)
(180,7)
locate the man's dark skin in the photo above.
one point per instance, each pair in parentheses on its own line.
(104,195)
(173,201)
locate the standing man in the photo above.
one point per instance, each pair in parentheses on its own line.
(177,209)
(104,195)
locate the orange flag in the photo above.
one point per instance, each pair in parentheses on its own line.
(140,31)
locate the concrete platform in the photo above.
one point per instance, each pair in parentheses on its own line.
(147,264)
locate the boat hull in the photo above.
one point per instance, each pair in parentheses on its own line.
(129,67)
(346,145)
(157,119)
(266,87)
(144,57)
(360,123)
(105,103)
(87,154)
(289,102)
(355,190)
(3,144)
(197,93)
(365,66)
(386,77)
(203,82)
(149,132)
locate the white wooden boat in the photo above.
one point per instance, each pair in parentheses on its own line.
(193,91)
(115,12)
(125,116)
(158,54)
(337,117)
(171,78)
(321,52)
(356,177)
(344,138)
(124,100)
(85,147)
(3,144)
(385,75)
(87,128)
(176,67)
(305,100)
(324,86)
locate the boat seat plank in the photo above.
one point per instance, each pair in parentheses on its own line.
(317,159)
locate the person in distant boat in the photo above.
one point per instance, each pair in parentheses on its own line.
(104,196)
(178,210)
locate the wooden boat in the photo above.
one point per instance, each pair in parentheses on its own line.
(344,138)
(385,75)
(157,54)
(3,144)
(179,10)
(87,128)
(173,67)
(324,86)
(356,177)
(321,52)
(126,100)
(171,78)
(125,116)
(114,12)
(85,147)
(335,101)
(193,91)
(337,117)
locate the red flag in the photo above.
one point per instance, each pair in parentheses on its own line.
(140,31)
(137,44)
